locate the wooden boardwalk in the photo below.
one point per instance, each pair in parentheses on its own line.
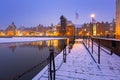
(80,66)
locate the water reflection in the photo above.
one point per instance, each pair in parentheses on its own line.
(58,44)
(26,56)
(12,48)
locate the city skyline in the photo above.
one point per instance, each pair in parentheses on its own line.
(31,13)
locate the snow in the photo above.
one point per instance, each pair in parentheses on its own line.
(113,39)
(80,66)
(25,39)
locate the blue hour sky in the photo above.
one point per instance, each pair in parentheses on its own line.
(33,12)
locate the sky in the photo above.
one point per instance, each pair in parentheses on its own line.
(31,13)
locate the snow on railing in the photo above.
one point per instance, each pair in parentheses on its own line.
(109,46)
(113,45)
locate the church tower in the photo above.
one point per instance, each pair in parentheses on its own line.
(63,25)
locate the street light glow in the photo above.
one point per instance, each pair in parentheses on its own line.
(92,15)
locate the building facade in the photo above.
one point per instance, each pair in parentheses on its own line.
(103,29)
(117,19)
(11,30)
(65,28)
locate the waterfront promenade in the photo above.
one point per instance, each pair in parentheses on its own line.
(81,66)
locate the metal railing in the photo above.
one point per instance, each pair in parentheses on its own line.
(112,45)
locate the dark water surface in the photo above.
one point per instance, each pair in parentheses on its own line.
(22,61)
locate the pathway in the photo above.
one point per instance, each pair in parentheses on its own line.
(80,66)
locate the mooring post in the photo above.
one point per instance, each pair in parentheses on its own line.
(51,67)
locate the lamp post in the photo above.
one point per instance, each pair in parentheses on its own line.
(93,21)
(92,16)
(74,33)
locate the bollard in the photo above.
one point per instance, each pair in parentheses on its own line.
(51,65)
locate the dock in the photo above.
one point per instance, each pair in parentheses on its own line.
(81,66)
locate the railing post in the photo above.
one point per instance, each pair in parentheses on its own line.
(92,45)
(64,54)
(113,47)
(88,42)
(111,52)
(70,47)
(98,51)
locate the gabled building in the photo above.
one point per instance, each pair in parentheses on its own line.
(65,27)
(11,30)
(2,33)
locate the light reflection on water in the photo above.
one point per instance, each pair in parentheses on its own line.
(20,58)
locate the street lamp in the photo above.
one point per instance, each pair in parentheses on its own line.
(93,21)
(92,16)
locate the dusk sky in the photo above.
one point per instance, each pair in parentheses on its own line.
(34,12)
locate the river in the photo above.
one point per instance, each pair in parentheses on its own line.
(23,60)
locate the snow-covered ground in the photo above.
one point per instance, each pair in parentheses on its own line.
(80,66)
(25,39)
